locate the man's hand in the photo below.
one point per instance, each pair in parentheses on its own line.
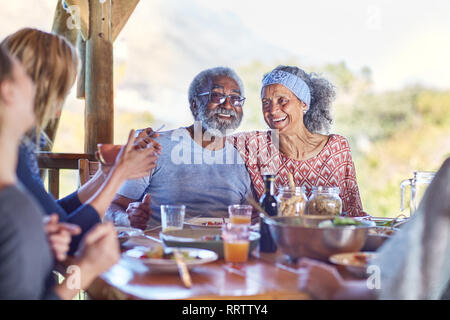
(320,280)
(139,213)
(59,236)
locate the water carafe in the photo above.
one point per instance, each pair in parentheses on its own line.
(418,185)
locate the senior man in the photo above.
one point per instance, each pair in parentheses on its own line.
(198,167)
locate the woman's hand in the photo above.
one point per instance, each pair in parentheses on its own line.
(59,236)
(134,162)
(319,280)
(99,251)
(145,138)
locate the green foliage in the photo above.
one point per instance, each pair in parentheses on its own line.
(434,106)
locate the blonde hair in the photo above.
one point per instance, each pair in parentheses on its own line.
(52,63)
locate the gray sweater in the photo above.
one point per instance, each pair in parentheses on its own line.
(26,261)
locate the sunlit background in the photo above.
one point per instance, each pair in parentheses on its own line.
(388,60)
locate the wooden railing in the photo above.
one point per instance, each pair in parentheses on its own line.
(54,162)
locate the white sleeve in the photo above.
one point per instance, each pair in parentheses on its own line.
(133,189)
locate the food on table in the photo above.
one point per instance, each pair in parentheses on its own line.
(353,260)
(212,223)
(324,201)
(340,222)
(292,204)
(389,222)
(158,252)
(343,221)
(292,199)
(361,258)
(123,237)
(216,237)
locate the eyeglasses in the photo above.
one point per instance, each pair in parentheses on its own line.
(219,98)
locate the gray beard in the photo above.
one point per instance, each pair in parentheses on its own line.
(218,126)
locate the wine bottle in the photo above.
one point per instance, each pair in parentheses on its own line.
(269,203)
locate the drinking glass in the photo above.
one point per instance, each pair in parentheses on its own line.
(172,217)
(240,214)
(236,243)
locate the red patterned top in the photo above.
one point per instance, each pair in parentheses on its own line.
(332,167)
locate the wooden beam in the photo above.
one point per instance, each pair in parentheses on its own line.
(60,25)
(53,182)
(99,113)
(81,80)
(47,160)
(121,12)
(80,12)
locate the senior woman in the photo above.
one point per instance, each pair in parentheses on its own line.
(297,105)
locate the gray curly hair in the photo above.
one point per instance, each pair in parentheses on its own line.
(318,117)
(203,81)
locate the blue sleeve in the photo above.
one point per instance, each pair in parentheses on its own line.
(35,186)
(70,203)
(86,217)
(69,209)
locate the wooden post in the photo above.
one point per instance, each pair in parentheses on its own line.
(81,80)
(60,27)
(121,12)
(53,182)
(99,114)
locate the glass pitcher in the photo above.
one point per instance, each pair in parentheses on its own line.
(419,185)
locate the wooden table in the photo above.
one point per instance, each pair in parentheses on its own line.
(264,276)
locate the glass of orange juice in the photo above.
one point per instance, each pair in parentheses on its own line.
(240,214)
(235,242)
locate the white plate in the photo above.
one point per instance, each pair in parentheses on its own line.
(203,222)
(200,256)
(132,232)
(351,262)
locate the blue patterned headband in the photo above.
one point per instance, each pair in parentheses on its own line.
(290,81)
